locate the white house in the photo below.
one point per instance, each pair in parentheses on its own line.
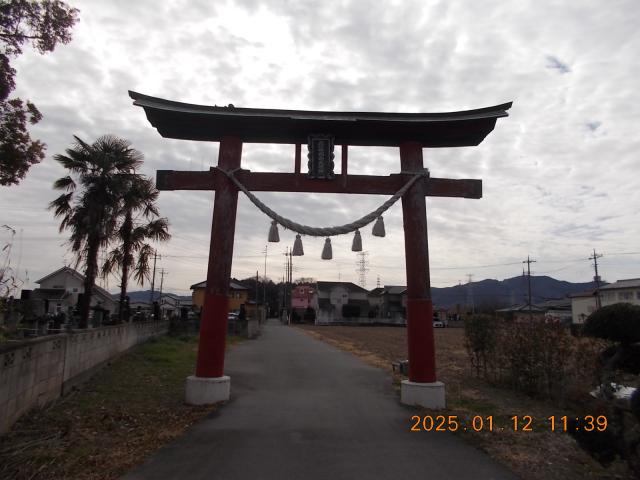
(339,302)
(623,291)
(583,304)
(59,292)
(171,305)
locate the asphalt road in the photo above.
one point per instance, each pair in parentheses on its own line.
(301,409)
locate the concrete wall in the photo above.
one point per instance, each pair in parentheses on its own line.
(37,371)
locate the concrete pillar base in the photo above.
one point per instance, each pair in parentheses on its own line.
(428,395)
(206,391)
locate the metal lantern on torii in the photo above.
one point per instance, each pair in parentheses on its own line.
(231,126)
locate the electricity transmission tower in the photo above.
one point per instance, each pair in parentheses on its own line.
(362,263)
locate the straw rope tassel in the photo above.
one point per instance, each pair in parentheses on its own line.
(273,232)
(356,246)
(378,228)
(327,254)
(298,251)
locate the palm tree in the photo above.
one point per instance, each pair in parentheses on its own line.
(137,224)
(98,176)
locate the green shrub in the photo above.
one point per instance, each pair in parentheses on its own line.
(619,322)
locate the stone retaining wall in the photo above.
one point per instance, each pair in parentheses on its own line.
(37,371)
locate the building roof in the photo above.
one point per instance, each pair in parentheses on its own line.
(556,304)
(351,287)
(585,294)
(376,292)
(395,289)
(68,270)
(257,125)
(523,308)
(620,284)
(233,285)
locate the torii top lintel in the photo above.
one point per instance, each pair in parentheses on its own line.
(255,125)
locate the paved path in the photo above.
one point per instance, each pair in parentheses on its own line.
(301,409)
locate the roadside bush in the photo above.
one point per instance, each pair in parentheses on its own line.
(536,358)
(619,323)
(480,341)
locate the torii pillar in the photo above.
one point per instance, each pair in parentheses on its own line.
(410,132)
(422,388)
(210,384)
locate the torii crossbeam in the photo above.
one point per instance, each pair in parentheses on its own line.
(410,132)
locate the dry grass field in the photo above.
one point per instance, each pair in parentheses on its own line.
(536,455)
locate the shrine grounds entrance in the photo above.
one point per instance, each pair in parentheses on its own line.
(321,131)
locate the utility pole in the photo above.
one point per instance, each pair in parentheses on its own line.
(163,272)
(528,261)
(595,258)
(286,280)
(289,309)
(153,278)
(256,304)
(378,282)
(291,266)
(264,290)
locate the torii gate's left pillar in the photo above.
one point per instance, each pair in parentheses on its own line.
(209,384)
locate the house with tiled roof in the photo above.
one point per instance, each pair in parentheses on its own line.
(394,303)
(375,298)
(238,295)
(60,290)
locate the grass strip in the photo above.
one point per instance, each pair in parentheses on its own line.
(112,422)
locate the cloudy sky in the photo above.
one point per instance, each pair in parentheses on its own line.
(560,174)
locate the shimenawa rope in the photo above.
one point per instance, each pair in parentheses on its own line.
(324,231)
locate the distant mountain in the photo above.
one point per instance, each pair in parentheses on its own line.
(511,291)
(145,296)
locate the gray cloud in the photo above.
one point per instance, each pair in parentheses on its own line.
(555,182)
(555,64)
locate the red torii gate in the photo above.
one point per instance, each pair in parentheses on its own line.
(232,127)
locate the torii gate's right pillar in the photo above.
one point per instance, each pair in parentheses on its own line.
(422,388)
